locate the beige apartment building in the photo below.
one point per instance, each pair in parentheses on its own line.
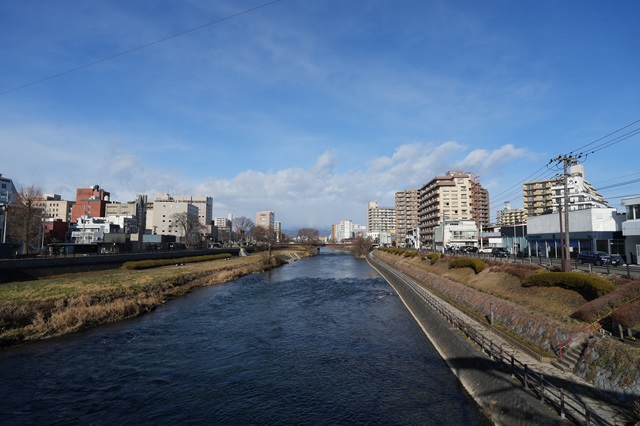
(456,196)
(406,213)
(54,207)
(267,220)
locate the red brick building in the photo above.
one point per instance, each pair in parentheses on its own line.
(90,202)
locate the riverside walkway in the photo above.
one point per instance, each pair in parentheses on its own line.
(511,386)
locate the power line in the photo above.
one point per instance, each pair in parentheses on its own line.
(143,46)
(606,136)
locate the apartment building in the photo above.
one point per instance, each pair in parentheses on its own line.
(480,207)
(381,222)
(204,205)
(444,199)
(545,196)
(509,216)
(406,214)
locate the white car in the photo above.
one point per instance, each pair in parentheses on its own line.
(485,250)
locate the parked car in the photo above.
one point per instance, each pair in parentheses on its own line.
(485,250)
(499,252)
(597,258)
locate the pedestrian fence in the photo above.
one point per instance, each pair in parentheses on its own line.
(566,404)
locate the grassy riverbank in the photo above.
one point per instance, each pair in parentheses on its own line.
(64,304)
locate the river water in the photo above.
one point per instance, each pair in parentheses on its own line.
(321,341)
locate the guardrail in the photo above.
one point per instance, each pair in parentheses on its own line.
(628,270)
(564,402)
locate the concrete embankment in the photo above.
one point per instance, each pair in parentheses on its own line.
(500,397)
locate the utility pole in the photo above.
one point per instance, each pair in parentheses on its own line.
(566,261)
(567,161)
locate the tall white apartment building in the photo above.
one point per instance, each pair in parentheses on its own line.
(545,196)
(381,222)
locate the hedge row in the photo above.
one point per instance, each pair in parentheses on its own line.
(155,263)
(468,262)
(589,287)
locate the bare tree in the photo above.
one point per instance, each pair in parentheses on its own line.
(262,235)
(190,227)
(361,246)
(244,226)
(308,235)
(24,220)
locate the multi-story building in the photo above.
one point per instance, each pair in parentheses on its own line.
(406,214)
(631,230)
(344,230)
(509,216)
(582,195)
(54,207)
(380,220)
(204,205)
(223,226)
(277,229)
(544,196)
(444,199)
(8,195)
(480,208)
(164,211)
(89,202)
(267,220)
(203,209)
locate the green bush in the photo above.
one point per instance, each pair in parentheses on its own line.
(155,263)
(433,258)
(588,286)
(476,264)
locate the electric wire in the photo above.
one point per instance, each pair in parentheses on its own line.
(135,49)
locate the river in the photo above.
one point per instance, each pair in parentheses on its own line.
(321,341)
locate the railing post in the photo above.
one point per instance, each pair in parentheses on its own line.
(513,367)
(587,415)
(541,387)
(562,415)
(526,370)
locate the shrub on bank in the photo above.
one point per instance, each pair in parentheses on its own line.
(624,302)
(468,262)
(589,287)
(433,258)
(155,263)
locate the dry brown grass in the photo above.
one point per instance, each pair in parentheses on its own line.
(65,304)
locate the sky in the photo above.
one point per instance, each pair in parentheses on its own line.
(311,108)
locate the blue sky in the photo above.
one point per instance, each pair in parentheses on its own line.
(313,108)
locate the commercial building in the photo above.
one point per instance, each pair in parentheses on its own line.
(589,230)
(631,230)
(455,233)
